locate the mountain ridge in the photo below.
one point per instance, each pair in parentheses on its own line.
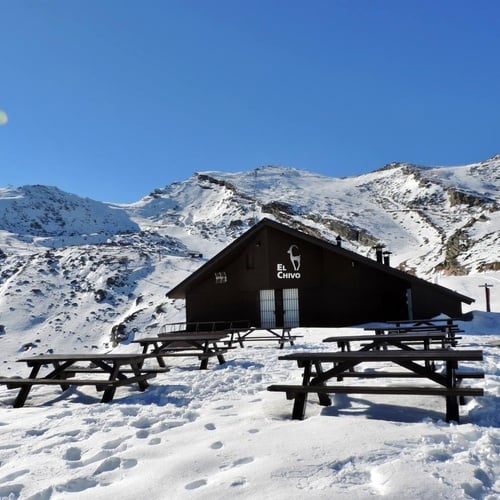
(95,273)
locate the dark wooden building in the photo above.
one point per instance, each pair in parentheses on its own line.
(276,276)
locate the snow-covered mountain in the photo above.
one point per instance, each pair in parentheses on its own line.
(94,273)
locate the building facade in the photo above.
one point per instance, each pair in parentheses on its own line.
(276,276)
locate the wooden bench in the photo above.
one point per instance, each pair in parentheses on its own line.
(65,383)
(120,369)
(77,369)
(269,338)
(315,376)
(293,390)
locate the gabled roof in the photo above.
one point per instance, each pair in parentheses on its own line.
(215,263)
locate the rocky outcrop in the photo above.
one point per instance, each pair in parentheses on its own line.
(457,244)
(459,197)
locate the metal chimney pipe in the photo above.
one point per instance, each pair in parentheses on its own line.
(387,258)
(378,253)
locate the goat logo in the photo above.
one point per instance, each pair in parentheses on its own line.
(294,257)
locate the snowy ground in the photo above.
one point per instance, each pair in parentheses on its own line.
(219,434)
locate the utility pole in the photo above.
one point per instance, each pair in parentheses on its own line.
(487,287)
(255,196)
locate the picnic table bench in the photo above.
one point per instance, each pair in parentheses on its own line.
(238,331)
(117,369)
(282,335)
(202,345)
(448,383)
(403,341)
(446,325)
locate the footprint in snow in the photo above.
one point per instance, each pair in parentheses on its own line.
(129,412)
(73,454)
(239,482)
(128,463)
(217,445)
(237,463)
(196,484)
(77,485)
(108,465)
(210,427)
(243,461)
(111,445)
(225,407)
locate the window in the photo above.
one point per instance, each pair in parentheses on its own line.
(220,278)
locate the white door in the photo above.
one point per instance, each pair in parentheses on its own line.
(267,309)
(291,307)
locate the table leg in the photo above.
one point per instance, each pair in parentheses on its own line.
(25,390)
(452,412)
(240,339)
(109,392)
(142,382)
(324,399)
(220,356)
(299,405)
(157,350)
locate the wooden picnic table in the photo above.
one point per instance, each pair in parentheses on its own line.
(448,383)
(425,321)
(281,335)
(118,370)
(446,325)
(203,345)
(238,331)
(402,341)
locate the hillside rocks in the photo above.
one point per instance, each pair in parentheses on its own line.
(458,197)
(456,245)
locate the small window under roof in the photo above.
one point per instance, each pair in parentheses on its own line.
(220,278)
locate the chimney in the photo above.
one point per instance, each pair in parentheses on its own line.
(378,252)
(387,258)
(339,241)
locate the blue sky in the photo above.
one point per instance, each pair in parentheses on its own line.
(111,99)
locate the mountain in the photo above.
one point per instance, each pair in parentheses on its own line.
(49,212)
(91,274)
(432,219)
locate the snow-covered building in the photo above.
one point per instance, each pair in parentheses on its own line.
(276,276)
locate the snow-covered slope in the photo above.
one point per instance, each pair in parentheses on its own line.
(46,211)
(80,275)
(432,219)
(95,273)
